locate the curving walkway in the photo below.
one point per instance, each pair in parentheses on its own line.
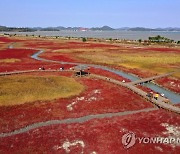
(175,98)
(129,85)
(71,121)
(159,102)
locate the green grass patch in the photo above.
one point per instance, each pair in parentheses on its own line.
(16,90)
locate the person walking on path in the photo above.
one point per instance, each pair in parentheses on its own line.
(156,96)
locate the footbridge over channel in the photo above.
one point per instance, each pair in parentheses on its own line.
(160,102)
(130,85)
(146,80)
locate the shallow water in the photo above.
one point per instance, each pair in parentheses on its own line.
(131,35)
(173,97)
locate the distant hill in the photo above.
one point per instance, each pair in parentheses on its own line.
(123,28)
(14,29)
(104,28)
(153,29)
(169,29)
(140,29)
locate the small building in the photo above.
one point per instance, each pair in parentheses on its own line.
(81,70)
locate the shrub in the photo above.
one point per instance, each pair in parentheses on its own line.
(84,39)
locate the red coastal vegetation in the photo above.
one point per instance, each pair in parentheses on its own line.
(98,136)
(170,83)
(99,97)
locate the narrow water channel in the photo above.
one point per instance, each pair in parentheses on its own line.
(175,98)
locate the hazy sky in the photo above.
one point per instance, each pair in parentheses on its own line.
(90,13)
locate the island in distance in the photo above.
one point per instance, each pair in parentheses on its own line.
(104,28)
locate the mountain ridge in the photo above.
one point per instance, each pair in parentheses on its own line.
(103,28)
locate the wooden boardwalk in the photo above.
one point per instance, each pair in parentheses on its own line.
(144,80)
(30,71)
(129,85)
(160,102)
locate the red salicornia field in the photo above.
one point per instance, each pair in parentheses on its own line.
(52,110)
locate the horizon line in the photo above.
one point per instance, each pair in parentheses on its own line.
(86,27)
